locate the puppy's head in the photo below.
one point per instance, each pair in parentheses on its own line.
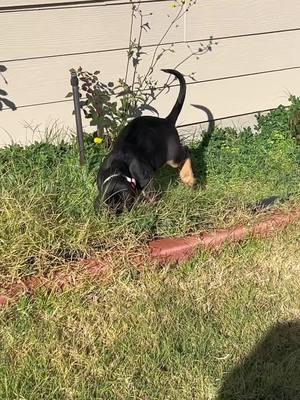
(119,195)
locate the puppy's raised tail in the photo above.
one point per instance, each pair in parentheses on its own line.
(172,117)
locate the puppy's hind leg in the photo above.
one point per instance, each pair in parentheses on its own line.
(187,174)
(183,161)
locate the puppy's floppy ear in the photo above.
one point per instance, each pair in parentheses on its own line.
(141,171)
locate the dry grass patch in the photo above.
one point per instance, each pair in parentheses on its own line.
(175,333)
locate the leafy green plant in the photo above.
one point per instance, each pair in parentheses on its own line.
(285,120)
(110,105)
(294,117)
(99,106)
(274,120)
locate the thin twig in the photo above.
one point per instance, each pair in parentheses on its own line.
(196,53)
(138,49)
(177,18)
(130,41)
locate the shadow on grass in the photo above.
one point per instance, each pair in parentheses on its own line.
(4,101)
(271,371)
(198,153)
(168,176)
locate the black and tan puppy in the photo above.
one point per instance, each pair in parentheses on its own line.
(143,146)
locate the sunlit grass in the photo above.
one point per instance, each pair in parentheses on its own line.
(212,328)
(47,198)
(174,333)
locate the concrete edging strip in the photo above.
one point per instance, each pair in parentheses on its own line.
(172,250)
(163,251)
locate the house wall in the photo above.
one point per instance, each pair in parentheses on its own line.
(254,66)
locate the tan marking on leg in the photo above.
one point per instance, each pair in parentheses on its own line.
(186,173)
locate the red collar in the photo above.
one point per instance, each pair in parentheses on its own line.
(132,182)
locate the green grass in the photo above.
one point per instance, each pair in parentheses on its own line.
(47,198)
(210,329)
(223,326)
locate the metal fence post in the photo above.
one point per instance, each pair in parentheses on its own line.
(76,99)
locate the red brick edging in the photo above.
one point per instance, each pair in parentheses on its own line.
(172,250)
(162,251)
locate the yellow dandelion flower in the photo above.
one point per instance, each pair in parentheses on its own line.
(98,140)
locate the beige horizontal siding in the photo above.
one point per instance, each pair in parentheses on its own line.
(43,80)
(63,31)
(10,3)
(235,17)
(253,66)
(40,4)
(236,96)
(27,2)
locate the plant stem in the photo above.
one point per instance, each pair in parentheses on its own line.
(176,66)
(138,49)
(130,41)
(177,18)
